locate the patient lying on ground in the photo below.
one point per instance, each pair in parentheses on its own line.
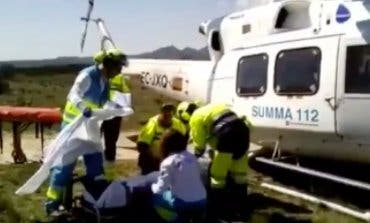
(175,192)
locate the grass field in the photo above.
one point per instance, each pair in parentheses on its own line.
(14,209)
(50,90)
(46,89)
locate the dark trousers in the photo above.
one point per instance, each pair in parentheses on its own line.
(148,163)
(111,129)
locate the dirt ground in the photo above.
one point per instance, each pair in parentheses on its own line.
(32,146)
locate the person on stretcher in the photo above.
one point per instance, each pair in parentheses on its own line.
(176,190)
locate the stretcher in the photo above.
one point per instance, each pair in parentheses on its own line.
(21,118)
(116,201)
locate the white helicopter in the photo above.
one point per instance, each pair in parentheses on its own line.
(298,69)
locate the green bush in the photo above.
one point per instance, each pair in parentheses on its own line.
(22,91)
(20,101)
(4,86)
(44,83)
(7,70)
(50,96)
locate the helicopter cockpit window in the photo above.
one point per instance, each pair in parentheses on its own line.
(358,70)
(252,75)
(297,72)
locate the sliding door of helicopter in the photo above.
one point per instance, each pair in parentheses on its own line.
(353,91)
(294,96)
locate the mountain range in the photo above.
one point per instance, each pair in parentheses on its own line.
(169,52)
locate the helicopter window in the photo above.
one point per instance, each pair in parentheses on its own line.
(294,15)
(252,75)
(216,41)
(358,70)
(283,14)
(297,72)
(246,29)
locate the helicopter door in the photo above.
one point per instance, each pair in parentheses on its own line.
(353,91)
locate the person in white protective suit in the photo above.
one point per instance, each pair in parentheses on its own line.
(89,92)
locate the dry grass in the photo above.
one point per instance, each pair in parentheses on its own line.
(51,90)
(30,208)
(265,209)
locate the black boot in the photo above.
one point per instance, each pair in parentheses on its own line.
(218,205)
(241,205)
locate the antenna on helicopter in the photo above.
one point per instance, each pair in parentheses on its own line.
(106,39)
(86,19)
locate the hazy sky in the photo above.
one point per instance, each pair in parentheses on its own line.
(34,29)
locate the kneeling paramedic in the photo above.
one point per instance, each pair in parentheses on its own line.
(149,137)
(228,137)
(89,91)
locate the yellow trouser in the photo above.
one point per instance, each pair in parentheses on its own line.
(223,164)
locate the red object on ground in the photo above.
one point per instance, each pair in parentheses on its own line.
(21,118)
(30,114)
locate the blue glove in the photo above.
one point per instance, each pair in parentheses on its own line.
(87,112)
(117,106)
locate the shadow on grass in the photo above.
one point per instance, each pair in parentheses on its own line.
(266,209)
(263,209)
(8,213)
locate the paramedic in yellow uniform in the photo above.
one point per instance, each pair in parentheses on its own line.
(184,110)
(228,137)
(150,135)
(111,128)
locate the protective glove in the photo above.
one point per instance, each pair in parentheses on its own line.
(117,106)
(87,112)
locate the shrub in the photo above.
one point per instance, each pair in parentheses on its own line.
(4,86)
